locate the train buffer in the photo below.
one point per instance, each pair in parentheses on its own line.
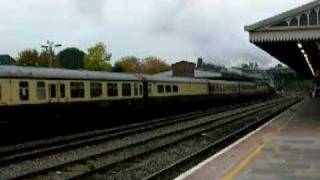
(288,147)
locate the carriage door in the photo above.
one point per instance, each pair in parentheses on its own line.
(57,92)
(62,91)
(53,92)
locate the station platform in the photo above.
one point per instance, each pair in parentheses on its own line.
(288,147)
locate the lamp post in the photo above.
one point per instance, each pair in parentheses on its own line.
(49,47)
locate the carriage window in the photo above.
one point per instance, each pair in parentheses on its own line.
(135,89)
(53,90)
(126,89)
(77,89)
(212,88)
(24,91)
(41,91)
(112,89)
(160,89)
(62,90)
(175,88)
(226,88)
(95,89)
(168,88)
(141,89)
(149,88)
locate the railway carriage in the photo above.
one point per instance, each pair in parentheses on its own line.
(42,93)
(247,88)
(34,86)
(20,86)
(169,91)
(224,89)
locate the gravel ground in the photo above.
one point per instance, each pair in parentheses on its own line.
(56,159)
(153,162)
(126,153)
(103,131)
(140,168)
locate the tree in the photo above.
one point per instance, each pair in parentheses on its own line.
(71,58)
(130,64)
(149,65)
(98,58)
(7,60)
(44,59)
(28,57)
(118,67)
(153,65)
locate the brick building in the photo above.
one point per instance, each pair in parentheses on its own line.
(183,69)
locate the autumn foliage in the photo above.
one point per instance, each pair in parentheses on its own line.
(28,57)
(31,57)
(97,58)
(149,65)
(154,65)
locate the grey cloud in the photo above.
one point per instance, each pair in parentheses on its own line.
(93,9)
(172,29)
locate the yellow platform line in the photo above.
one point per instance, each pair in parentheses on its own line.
(254,153)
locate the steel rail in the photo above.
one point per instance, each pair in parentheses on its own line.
(44,149)
(206,150)
(81,160)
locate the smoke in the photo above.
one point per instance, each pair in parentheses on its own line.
(214,29)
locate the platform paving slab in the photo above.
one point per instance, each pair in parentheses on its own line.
(286,148)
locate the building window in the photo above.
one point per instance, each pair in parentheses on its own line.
(41,90)
(168,88)
(294,22)
(24,91)
(175,88)
(126,89)
(112,89)
(313,18)
(95,89)
(303,20)
(62,90)
(77,89)
(135,89)
(160,89)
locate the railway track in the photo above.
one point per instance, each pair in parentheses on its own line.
(175,168)
(124,167)
(25,151)
(121,153)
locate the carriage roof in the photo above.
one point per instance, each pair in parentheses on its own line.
(52,73)
(174,79)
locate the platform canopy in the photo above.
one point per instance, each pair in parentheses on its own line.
(293,37)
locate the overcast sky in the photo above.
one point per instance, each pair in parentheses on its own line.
(171,29)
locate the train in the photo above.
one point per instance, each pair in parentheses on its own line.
(29,86)
(41,92)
